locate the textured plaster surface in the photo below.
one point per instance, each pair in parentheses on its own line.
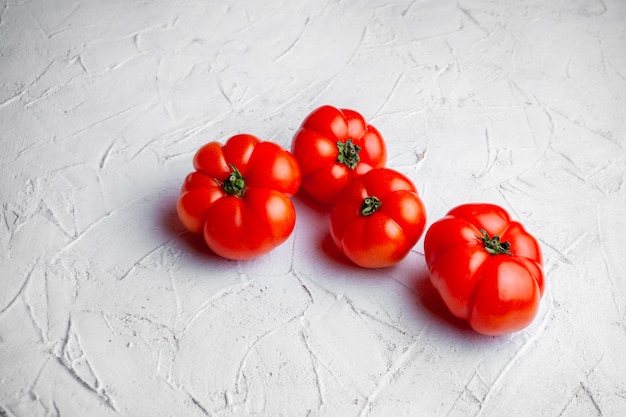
(109,308)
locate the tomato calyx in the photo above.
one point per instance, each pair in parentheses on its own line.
(348,153)
(494,246)
(370,205)
(235,184)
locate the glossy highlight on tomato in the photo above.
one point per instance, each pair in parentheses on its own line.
(486,267)
(239,196)
(333,146)
(378,218)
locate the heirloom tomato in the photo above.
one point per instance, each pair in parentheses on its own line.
(486,267)
(334,146)
(378,218)
(238,197)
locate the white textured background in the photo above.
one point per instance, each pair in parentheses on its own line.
(107,308)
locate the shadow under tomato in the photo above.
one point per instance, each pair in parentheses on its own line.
(427,296)
(317,213)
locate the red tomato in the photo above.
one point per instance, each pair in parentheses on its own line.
(378,218)
(486,267)
(334,146)
(238,197)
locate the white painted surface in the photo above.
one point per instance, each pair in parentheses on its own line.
(107,308)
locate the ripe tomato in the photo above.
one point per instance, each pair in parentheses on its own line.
(238,197)
(378,218)
(486,267)
(334,146)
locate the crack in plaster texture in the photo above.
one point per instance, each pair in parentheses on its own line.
(109,308)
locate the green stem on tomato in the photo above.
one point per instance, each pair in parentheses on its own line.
(370,205)
(348,153)
(235,183)
(493,245)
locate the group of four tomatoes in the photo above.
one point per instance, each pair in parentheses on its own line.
(486,267)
